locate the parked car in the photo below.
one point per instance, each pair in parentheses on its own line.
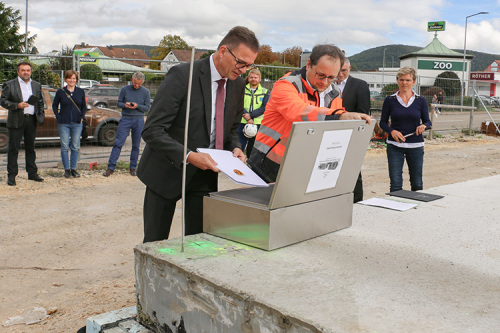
(84,83)
(102,96)
(496,100)
(376,96)
(102,124)
(486,100)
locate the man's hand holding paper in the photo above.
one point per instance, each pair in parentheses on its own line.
(231,163)
(202,161)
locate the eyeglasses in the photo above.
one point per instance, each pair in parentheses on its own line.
(240,64)
(322,77)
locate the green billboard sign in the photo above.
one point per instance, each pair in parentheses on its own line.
(88,57)
(441,65)
(436,26)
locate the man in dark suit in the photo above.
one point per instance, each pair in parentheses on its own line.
(22,120)
(161,164)
(355,98)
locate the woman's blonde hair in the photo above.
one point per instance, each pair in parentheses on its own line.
(407,70)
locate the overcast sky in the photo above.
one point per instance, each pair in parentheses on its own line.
(354,25)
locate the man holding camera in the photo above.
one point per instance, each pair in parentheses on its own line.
(134,100)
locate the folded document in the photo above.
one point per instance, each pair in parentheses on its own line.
(234,168)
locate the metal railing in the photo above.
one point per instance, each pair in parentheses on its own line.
(380,83)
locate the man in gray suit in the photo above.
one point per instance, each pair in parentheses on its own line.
(161,164)
(355,98)
(23,99)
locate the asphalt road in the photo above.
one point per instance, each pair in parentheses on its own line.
(48,154)
(456,121)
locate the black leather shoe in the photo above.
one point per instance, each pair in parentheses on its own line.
(11,181)
(67,174)
(75,174)
(36,178)
(132,172)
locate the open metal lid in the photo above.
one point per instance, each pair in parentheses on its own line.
(322,159)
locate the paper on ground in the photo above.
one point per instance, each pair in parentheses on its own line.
(386,203)
(234,168)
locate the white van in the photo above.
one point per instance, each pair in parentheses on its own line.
(84,83)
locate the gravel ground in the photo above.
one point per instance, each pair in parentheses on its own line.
(67,244)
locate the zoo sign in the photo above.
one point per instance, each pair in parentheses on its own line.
(441,65)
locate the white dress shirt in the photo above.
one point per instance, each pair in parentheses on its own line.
(341,85)
(215,76)
(27,92)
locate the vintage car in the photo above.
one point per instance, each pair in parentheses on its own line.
(102,124)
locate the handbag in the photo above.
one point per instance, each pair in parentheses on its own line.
(40,117)
(85,135)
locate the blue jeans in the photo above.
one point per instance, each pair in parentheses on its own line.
(127,125)
(70,139)
(415,160)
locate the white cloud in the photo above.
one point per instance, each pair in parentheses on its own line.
(354,25)
(481,36)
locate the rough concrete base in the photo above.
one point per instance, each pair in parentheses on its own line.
(119,321)
(430,269)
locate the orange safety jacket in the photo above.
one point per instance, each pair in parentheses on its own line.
(292,99)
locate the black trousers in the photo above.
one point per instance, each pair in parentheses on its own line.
(28,131)
(159,211)
(358,189)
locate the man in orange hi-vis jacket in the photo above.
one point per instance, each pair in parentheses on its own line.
(307,94)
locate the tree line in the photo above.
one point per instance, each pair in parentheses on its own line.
(290,57)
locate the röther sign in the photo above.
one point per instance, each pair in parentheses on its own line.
(440,65)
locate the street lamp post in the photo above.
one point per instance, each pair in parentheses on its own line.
(463,64)
(383,69)
(26,36)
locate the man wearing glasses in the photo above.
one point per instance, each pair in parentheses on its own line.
(216,108)
(305,95)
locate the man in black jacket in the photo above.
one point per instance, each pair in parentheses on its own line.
(22,97)
(161,163)
(355,98)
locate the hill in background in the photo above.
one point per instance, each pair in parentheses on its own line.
(372,59)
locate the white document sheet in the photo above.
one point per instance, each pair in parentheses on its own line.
(234,168)
(386,203)
(329,160)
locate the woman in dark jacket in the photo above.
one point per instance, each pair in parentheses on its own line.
(409,117)
(70,115)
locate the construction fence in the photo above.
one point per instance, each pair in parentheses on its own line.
(116,73)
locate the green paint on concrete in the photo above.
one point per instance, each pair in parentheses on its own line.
(204,248)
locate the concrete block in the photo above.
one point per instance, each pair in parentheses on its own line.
(173,299)
(109,320)
(429,269)
(132,326)
(114,330)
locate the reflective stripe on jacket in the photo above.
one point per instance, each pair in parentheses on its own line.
(253,101)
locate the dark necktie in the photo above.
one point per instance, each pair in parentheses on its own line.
(219,115)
